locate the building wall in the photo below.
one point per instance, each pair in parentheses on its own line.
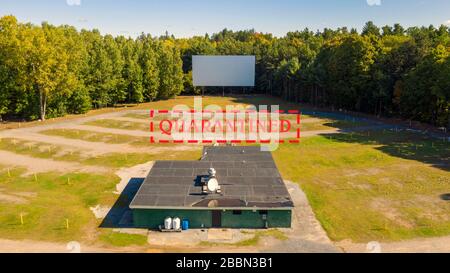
(250,219)
(152,218)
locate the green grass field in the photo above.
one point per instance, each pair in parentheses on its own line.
(46,202)
(112,160)
(328,124)
(117,124)
(372,186)
(325,124)
(99,137)
(377,185)
(122,239)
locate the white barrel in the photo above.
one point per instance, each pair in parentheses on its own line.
(176,223)
(168,223)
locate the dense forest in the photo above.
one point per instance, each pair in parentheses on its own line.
(49,71)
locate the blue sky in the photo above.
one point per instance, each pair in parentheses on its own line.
(185,18)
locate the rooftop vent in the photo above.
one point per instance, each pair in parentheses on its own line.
(204,155)
(212,173)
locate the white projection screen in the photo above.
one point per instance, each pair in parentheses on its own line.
(235,71)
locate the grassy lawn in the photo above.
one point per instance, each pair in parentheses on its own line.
(274,233)
(130,125)
(39,208)
(363,186)
(146,116)
(40,150)
(113,160)
(122,239)
(118,124)
(165,105)
(221,102)
(48,201)
(373,185)
(98,137)
(327,124)
(120,160)
(137,116)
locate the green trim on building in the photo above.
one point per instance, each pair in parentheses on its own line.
(153,218)
(251,219)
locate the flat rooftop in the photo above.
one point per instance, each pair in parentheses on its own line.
(248,177)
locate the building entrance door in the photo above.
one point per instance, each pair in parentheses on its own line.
(216,218)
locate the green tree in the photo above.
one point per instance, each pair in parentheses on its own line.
(132,71)
(171,72)
(371,29)
(150,69)
(8,62)
(49,71)
(46,72)
(426,92)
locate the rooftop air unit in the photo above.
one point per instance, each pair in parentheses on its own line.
(211,184)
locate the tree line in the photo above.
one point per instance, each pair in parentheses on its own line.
(49,71)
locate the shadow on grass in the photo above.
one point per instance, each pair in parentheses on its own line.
(402,144)
(120,215)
